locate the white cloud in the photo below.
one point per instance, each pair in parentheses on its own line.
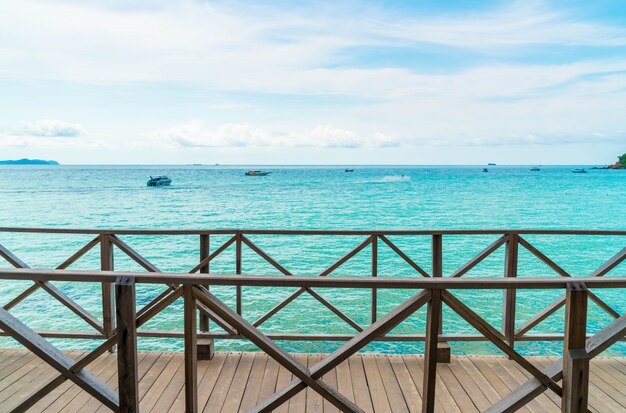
(256,48)
(196,134)
(46,133)
(48,128)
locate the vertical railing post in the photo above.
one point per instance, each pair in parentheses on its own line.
(191,348)
(443,348)
(510,295)
(108,299)
(575,357)
(430,351)
(238,270)
(374,274)
(206,346)
(128,377)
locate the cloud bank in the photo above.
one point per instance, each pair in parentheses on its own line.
(43,132)
(196,134)
(51,129)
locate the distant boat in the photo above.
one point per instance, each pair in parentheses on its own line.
(256,173)
(349,170)
(579,171)
(491,164)
(535,169)
(159,181)
(485,170)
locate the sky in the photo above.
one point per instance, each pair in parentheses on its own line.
(337,82)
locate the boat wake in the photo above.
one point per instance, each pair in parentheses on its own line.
(392,178)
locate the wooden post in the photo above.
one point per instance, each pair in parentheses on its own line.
(374,274)
(575,356)
(128,377)
(206,346)
(191,348)
(510,295)
(238,270)
(108,299)
(430,351)
(443,348)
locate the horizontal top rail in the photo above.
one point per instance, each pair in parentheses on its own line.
(313,281)
(233,231)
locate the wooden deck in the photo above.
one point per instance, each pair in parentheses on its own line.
(233,382)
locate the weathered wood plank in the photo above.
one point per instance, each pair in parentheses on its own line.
(209,378)
(362,394)
(238,385)
(253,385)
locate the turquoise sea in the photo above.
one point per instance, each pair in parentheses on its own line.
(291,197)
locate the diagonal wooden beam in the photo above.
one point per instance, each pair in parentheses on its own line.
(56,359)
(51,289)
(71,304)
(273,350)
(539,317)
(214,254)
(611,263)
(530,248)
(216,319)
(264,255)
(289,299)
(156,300)
(335,310)
(346,257)
(158,307)
(496,338)
(172,288)
(481,256)
(532,388)
(560,302)
(402,255)
(601,303)
(12,258)
(84,250)
(134,255)
(279,307)
(379,328)
(21,297)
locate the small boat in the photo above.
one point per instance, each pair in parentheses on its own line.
(579,171)
(256,173)
(349,170)
(485,170)
(491,164)
(161,180)
(535,169)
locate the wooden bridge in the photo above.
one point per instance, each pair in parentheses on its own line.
(345,380)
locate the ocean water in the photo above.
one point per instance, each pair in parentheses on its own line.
(382,198)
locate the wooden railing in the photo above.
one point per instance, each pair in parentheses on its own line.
(121,318)
(111,240)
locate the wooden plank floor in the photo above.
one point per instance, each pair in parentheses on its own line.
(233,382)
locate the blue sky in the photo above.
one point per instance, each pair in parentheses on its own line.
(454,82)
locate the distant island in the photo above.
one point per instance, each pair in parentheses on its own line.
(620,164)
(25,161)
